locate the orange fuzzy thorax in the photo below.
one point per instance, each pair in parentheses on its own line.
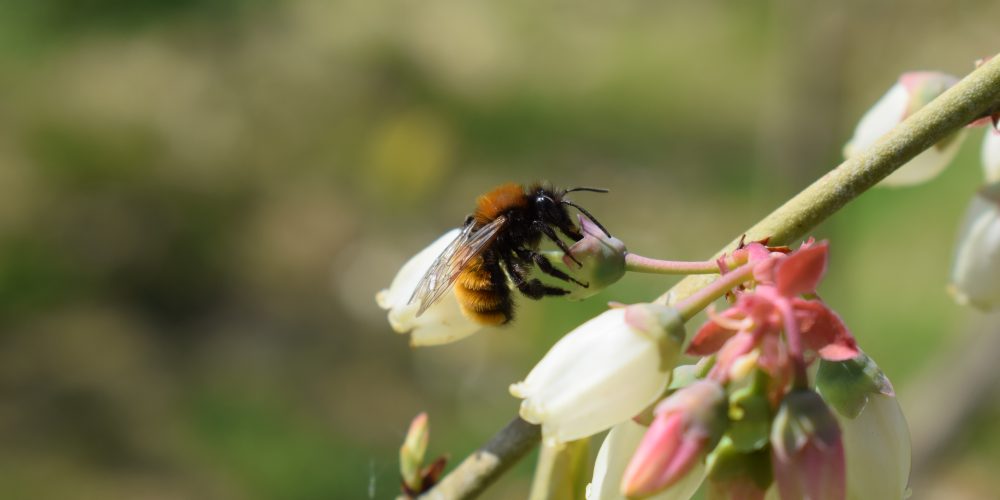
(499,200)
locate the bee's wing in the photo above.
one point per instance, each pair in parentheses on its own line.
(445,270)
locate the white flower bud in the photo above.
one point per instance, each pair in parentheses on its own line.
(602,258)
(991,155)
(910,93)
(877,447)
(975,274)
(442,322)
(875,435)
(604,372)
(615,454)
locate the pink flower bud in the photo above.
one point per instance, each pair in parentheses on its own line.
(687,424)
(613,457)
(807,450)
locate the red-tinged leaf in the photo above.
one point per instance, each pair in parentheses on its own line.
(824,332)
(801,272)
(740,344)
(711,336)
(432,473)
(763,270)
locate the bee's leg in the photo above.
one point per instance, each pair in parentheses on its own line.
(532,288)
(570,231)
(551,234)
(546,267)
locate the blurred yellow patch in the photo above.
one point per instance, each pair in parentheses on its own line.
(408,154)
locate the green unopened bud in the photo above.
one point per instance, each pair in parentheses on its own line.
(735,473)
(750,415)
(601,260)
(411,454)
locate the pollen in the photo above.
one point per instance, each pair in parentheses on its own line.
(491,318)
(473,280)
(478,300)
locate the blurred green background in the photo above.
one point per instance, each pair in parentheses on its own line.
(200,198)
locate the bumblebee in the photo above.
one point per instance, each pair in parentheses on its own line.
(497,248)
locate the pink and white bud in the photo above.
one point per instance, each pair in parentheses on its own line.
(602,260)
(687,424)
(603,372)
(444,321)
(910,93)
(975,274)
(991,156)
(411,454)
(807,449)
(616,451)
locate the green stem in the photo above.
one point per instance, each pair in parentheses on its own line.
(972,97)
(967,100)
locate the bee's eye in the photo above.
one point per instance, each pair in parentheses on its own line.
(542,200)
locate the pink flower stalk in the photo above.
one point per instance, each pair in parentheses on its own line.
(773,306)
(686,425)
(807,450)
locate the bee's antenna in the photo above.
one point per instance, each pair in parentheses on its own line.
(595,190)
(585,212)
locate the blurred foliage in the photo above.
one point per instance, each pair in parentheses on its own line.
(199,199)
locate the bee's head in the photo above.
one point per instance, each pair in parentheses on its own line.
(549,207)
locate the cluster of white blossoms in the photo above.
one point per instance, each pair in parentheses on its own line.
(674,428)
(749,420)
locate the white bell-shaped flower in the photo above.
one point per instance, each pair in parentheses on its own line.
(441,323)
(991,156)
(877,447)
(602,373)
(910,93)
(615,454)
(874,432)
(975,274)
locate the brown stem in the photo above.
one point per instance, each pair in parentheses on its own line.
(480,469)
